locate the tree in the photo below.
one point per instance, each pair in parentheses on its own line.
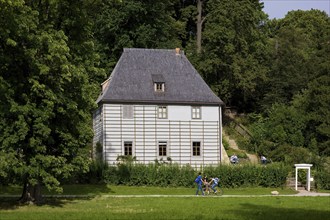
(295,40)
(132,23)
(45,109)
(199,25)
(299,73)
(315,102)
(233,56)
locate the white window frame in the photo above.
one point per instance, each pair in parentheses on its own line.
(200,148)
(162,112)
(196,112)
(128,112)
(124,146)
(159,87)
(166,148)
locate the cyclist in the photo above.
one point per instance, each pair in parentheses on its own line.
(214,182)
(207,185)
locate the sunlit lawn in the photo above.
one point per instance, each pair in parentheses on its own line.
(142,190)
(101,206)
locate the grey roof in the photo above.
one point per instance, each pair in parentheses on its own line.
(132,80)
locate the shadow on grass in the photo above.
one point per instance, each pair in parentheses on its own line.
(13,203)
(262,212)
(84,189)
(51,198)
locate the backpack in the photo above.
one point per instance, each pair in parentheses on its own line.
(197,180)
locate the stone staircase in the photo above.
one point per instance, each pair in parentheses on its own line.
(291,183)
(232,144)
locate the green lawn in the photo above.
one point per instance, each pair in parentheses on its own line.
(92,190)
(100,206)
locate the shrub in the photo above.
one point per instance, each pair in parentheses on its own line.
(322,180)
(272,175)
(174,175)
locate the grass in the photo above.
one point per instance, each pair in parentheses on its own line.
(258,208)
(94,190)
(101,206)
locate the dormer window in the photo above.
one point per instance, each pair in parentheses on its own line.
(159,87)
(159,82)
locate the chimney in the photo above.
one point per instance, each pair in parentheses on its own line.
(177,51)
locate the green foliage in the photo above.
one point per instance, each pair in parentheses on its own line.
(233,56)
(135,23)
(173,175)
(322,179)
(239,153)
(272,175)
(48,93)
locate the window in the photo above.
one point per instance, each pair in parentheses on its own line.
(128,148)
(162,146)
(162,111)
(196,112)
(159,82)
(128,112)
(159,87)
(196,145)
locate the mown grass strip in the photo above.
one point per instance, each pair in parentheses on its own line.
(91,190)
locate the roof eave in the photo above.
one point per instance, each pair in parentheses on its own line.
(158,102)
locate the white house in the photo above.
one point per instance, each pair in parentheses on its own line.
(155,105)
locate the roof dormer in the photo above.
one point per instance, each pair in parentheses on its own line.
(159,82)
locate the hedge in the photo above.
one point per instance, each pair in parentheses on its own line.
(174,175)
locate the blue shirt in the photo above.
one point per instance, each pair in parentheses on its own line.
(200,182)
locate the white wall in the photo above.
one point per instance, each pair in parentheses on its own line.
(183,113)
(98,128)
(179,130)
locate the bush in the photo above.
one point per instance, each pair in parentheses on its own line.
(131,173)
(272,175)
(173,175)
(322,180)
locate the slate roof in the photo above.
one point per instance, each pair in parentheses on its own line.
(132,80)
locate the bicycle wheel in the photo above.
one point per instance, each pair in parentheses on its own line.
(219,191)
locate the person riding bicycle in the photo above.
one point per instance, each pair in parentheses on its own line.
(214,184)
(207,185)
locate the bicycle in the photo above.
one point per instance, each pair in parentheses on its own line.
(219,191)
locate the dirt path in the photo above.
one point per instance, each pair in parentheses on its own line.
(232,144)
(300,193)
(253,158)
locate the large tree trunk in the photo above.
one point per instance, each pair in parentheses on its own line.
(31,194)
(199,26)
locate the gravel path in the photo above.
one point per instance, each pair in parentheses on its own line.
(301,193)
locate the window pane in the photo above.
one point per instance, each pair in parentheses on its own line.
(162,112)
(196,112)
(162,148)
(159,87)
(196,148)
(128,148)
